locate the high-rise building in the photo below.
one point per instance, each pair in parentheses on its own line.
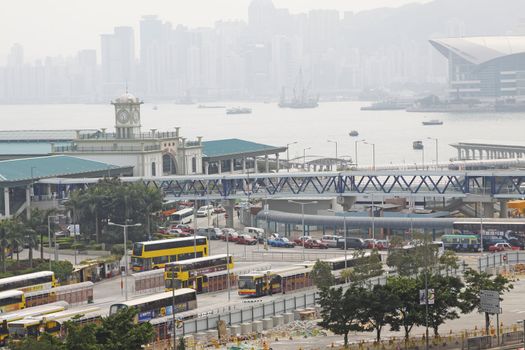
(117,60)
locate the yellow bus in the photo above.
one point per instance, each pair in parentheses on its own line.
(159,305)
(193,273)
(21,314)
(42,280)
(261,283)
(12,300)
(156,254)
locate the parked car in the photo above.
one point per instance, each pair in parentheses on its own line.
(281,242)
(351,243)
(175,232)
(299,240)
(382,244)
(229,233)
(315,244)
(205,210)
(500,247)
(219,209)
(516,243)
(330,240)
(212,233)
(185,228)
(246,240)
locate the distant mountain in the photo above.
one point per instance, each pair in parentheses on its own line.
(420,22)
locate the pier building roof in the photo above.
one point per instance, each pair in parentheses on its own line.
(236,147)
(480,49)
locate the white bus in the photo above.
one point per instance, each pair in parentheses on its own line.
(184,216)
(42,280)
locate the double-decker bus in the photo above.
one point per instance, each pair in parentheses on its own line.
(257,284)
(30,282)
(159,305)
(473,226)
(193,273)
(184,216)
(12,300)
(156,254)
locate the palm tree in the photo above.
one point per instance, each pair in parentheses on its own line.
(31,242)
(15,237)
(4,244)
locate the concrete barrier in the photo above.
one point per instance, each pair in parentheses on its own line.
(288,317)
(246,328)
(297,314)
(235,330)
(277,320)
(257,326)
(267,323)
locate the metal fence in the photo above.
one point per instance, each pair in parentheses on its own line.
(501,259)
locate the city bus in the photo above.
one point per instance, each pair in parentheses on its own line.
(30,282)
(184,216)
(155,254)
(193,273)
(29,312)
(461,243)
(159,305)
(12,300)
(473,226)
(257,284)
(340,263)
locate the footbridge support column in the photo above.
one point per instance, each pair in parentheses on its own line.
(346,202)
(503,209)
(230,212)
(488,210)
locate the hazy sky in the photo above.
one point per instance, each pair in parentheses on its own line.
(53,27)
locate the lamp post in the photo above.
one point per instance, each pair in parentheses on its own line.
(195,228)
(49,236)
(344,229)
(125,227)
(302,204)
(373,153)
(372,211)
(437,150)
(304,156)
(336,159)
(355,150)
(288,154)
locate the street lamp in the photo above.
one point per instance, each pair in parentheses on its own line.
(437,150)
(336,159)
(288,154)
(56,217)
(125,227)
(302,204)
(355,150)
(373,153)
(344,229)
(304,156)
(372,210)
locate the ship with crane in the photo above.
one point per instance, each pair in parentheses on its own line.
(300,99)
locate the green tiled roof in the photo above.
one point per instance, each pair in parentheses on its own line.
(219,148)
(46,167)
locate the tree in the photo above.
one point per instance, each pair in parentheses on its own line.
(379,304)
(30,241)
(409,312)
(80,337)
(449,260)
(15,237)
(447,302)
(322,275)
(4,244)
(63,269)
(119,332)
(366,266)
(44,342)
(476,282)
(341,313)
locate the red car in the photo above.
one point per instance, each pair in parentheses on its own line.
(500,247)
(299,240)
(315,244)
(185,228)
(246,240)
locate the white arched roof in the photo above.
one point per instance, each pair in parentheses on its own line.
(480,49)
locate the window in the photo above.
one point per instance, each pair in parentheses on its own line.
(194,164)
(153,169)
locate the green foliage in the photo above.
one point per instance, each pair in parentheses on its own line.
(476,282)
(118,332)
(449,260)
(45,342)
(342,312)
(378,306)
(322,275)
(112,200)
(408,312)
(182,344)
(63,269)
(81,337)
(408,262)
(366,267)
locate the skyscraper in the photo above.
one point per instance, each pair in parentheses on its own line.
(117,60)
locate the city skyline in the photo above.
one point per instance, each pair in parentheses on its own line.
(60,20)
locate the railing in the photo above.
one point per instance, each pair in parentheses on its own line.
(140,136)
(501,259)
(75,148)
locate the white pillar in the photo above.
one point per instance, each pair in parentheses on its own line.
(232,165)
(28,202)
(219,166)
(243,164)
(266,164)
(206,168)
(7,208)
(255,170)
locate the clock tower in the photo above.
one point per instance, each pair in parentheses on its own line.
(127,116)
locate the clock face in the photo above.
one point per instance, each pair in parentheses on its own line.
(136,116)
(123,116)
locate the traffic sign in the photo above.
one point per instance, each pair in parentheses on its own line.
(489,301)
(431,297)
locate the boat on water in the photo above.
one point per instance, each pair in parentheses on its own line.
(238,110)
(387,106)
(353,133)
(417,145)
(433,122)
(299,100)
(210,106)
(155,107)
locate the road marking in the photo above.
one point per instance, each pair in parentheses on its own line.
(520,312)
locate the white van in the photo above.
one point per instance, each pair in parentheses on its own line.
(205,210)
(255,232)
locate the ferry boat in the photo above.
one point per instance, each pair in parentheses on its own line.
(433,122)
(353,133)
(417,145)
(238,110)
